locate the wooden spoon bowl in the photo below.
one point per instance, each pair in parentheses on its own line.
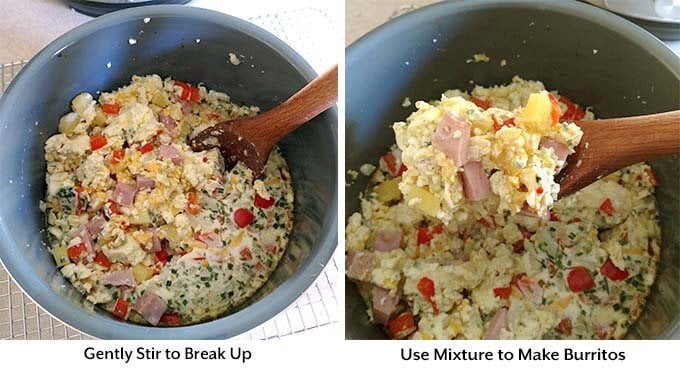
(609,145)
(250,139)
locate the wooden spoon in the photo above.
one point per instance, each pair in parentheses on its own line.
(250,139)
(611,144)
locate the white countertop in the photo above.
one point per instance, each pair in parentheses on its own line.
(29,25)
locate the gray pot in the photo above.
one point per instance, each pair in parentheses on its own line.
(77,62)
(630,73)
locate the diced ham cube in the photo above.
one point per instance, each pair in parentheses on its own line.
(561,150)
(186,107)
(211,239)
(475,181)
(498,323)
(384,304)
(387,239)
(169,152)
(156,245)
(120,278)
(145,183)
(151,307)
(169,123)
(531,290)
(360,265)
(124,194)
(452,138)
(526,211)
(96,225)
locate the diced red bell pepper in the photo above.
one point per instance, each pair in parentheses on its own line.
(117,156)
(102,260)
(402,169)
(162,256)
(76,252)
(438,229)
(245,254)
(564,327)
(606,207)
(484,104)
(579,279)
(539,190)
(193,205)
(391,163)
(426,288)
(97,141)
(609,270)
(263,203)
(146,147)
(111,108)
(120,310)
(503,292)
(402,325)
(575,220)
(170,319)
(423,235)
(555,111)
(189,92)
(553,216)
(518,246)
(486,223)
(243,217)
(113,207)
(573,112)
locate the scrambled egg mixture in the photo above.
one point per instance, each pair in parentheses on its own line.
(499,149)
(582,271)
(150,230)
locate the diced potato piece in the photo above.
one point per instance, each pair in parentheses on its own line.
(61,256)
(141,273)
(99,117)
(68,123)
(536,114)
(143,218)
(425,201)
(388,191)
(184,130)
(160,99)
(170,232)
(82,103)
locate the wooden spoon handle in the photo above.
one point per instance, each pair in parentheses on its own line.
(317,96)
(611,144)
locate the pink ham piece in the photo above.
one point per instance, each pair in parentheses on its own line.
(120,278)
(384,304)
(83,233)
(455,148)
(387,239)
(531,290)
(145,183)
(151,307)
(526,211)
(475,182)
(498,323)
(561,150)
(169,123)
(124,194)
(360,265)
(156,245)
(210,239)
(96,225)
(169,152)
(186,107)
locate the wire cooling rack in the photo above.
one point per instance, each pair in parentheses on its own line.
(21,318)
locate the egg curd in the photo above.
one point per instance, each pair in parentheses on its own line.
(432,264)
(498,150)
(148,229)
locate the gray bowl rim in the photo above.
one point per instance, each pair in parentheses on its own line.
(369,43)
(108,328)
